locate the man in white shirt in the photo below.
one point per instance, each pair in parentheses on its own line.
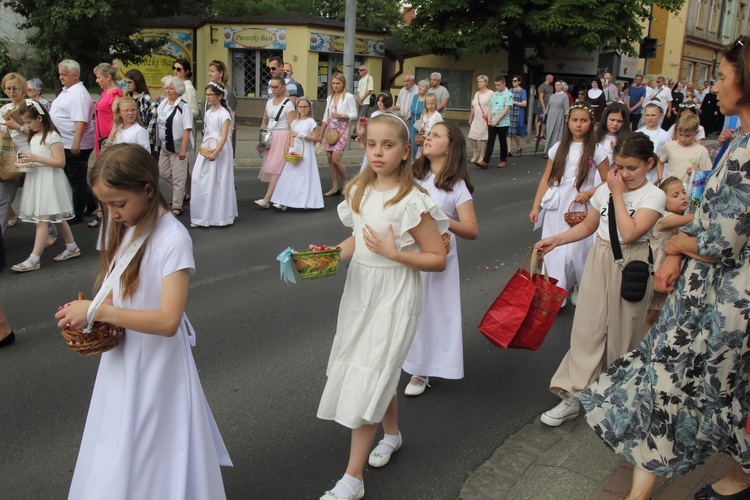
(440,91)
(610,89)
(405,96)
(664,96)
(364,91)
(72,113)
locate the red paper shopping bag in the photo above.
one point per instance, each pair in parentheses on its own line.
(505,316)
(544,309)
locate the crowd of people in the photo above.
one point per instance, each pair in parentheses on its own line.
(660,371)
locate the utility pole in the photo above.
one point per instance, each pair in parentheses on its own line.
(350,30)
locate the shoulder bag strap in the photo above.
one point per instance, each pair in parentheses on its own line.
(113,276)
(614,239)
(278,115)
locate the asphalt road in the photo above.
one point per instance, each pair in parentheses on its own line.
(262,349)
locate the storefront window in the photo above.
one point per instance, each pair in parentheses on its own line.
(457,82)
(250,72)
(328,64)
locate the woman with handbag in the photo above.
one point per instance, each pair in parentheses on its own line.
(682,395)
(480,108)
(341,108)
(14,86)
(608,322)
(415,116)
(277,118)
(174,123)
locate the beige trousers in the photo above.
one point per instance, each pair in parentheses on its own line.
(174,171)
(604,321)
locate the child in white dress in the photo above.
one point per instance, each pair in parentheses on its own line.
(213,197)
(299,184)
(570,176)
(652,114)
(437,350)
(396,234)
(47,196)
(128,127)
(430,117)
(149,431)
(614,123)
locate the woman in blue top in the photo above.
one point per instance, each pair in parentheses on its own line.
(517,127)
(417,106)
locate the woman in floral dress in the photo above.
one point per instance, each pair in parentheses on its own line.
(340,110)
(683,394)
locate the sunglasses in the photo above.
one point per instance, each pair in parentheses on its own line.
(272,68)
(177,68)
(740,42)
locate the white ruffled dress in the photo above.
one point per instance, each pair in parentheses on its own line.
(379,311)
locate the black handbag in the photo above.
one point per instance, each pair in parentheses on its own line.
(635,274)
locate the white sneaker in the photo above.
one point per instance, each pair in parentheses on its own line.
(567,409)
(574,296)
(413,389)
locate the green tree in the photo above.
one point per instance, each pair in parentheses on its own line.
(89,31)
(374,14)
(464,27)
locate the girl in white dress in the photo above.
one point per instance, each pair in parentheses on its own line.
(299,184)
(47,196)
(396,234)
(614,123)
(569,176)
(149,431)
(128,128)
(213,198)
(652,115)
(430,117)
(437,350)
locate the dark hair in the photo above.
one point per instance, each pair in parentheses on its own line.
(455,165)
(738,55)
(635,145)
(615,107)
(500,78)
(589,148)
(186,66)
(221,67)
(518,77)
(33,113)
(216,87)
(387,99)
(278,59)
(139,82)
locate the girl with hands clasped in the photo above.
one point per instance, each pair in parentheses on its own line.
(214,200)
(47,196)
(604,322)
(149,428)
(396,233)
(569,179)
(437,350)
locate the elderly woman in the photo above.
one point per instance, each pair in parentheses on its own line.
(340,109)
(278,117)
(14,86)
(480,110)
(106,77)
(556,110)
(415,117)
(174,124)
(34,89)
(138,90)
(682,395)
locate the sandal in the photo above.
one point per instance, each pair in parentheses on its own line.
(519,151)
(68,254)
(25,267)
(176,212)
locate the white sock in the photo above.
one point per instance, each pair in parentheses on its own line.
(342,491)
(384,449)
(71,246)
(34,259)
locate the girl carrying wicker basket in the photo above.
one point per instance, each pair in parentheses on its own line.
(396,234)
(567,184)
(149,431)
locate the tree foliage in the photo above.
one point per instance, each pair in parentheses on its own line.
(374,14)
(468,27)
(88,31)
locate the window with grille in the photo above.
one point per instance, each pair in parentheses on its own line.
(250,72)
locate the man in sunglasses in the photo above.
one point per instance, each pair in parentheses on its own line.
(276,68)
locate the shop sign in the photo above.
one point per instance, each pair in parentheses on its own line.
(179,45)
(255,38)
(571,63)
(628,67)
(335,44)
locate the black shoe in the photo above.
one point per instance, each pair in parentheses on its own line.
(8,340)
(708,493)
